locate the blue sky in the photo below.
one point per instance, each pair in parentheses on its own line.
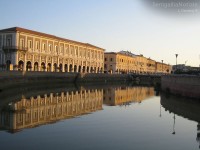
(111,24)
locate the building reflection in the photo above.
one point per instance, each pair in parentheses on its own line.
(25,111)
(49,108)
(126,95)
(186,108)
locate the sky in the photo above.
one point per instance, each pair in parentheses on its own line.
(115,25)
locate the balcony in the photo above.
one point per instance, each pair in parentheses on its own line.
(14,48)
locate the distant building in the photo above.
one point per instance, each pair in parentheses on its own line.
(120,62)
(27,50)
(126,62)
(163,68)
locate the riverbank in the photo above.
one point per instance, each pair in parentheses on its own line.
(17,78)
(181,85)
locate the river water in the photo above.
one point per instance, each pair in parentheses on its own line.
(97,117)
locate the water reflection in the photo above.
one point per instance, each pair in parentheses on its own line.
(43,109)
(126,95)
(31,111)
(187,108)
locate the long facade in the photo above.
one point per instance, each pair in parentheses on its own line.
(126,62)
(26,50)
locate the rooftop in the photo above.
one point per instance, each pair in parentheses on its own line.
(16,29)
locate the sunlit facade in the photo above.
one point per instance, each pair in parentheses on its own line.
(27,50)
(126,62)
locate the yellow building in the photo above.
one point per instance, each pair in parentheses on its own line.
(27,50)
(163,68)
(151,66)
(44,109)
(120,62)
(126,95)
(126,62)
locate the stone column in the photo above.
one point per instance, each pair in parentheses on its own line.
(32,63)
(46,64)
(58,64)
(52,64)
(63,66)
(39,63)
(24,67)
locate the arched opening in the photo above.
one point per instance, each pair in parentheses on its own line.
(88,68)
(66,68)
(28,66)
(8,62)
(43,67)
(70,68)
(91,69)
(79,68)
(98,70)
(95,69)
(75,68)
(54,67)
(83,69)
(49,67)
(101,70)
(36,66)
(60,68)
(20,65)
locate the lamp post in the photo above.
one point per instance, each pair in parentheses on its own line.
(176,60)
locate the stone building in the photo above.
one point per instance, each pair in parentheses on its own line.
(163,68)
(120,62)
(27,50)
(126,62)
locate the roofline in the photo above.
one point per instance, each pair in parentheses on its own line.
(19,29)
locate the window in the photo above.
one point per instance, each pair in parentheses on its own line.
(56,49)
(43,46)
(111,59)
(8,42)
(22,43)
(105,59)
(76,51)
(50,47)
(29,44)
(67,49)
(37,45)
(61,49)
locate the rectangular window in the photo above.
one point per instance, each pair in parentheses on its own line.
(61,49)
(29,44)
(22,44)
(8,42)
(76,51)
(50,47)
(43,46)
(37,45)
(111,59)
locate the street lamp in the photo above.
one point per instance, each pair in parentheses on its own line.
(176,60)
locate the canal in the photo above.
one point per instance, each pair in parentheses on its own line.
(96,118)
